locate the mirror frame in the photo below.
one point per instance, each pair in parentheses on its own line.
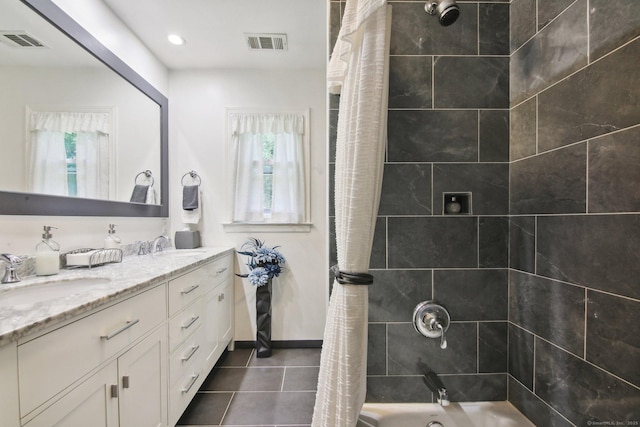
(15,203)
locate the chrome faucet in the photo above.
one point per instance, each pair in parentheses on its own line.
(435,385)
(11,273)
(157,244)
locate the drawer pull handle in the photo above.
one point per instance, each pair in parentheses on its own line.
(191,353)
(114,391)
(222,270)
(190,322)
(194,378)
(125,381)
(118,331)
(191,289)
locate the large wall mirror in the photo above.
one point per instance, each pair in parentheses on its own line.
(81,133)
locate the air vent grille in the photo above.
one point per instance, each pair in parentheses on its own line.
(266,41)
(20,39)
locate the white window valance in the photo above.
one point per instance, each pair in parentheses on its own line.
(255,123)
(70,122)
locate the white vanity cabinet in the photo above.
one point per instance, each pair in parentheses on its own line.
(200,303)
(127,392)
(108,368)
(9,386)
(136,361)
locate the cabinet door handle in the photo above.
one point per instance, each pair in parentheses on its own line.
(125,381)
(114,391)
(221,297)
(118,331)
(221,270)
(191,353)
(191,289)
(190,322)
(194,378)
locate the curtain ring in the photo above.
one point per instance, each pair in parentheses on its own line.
(345,278)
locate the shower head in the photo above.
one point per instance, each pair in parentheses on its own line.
(446,10)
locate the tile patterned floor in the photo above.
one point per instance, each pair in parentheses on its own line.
(243,390)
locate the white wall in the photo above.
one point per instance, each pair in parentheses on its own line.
(19,234)
(197,141)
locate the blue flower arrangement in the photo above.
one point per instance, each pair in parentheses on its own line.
(264,262)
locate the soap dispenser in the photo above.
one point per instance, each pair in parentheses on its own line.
(112,241)
(453,206)
(47,254)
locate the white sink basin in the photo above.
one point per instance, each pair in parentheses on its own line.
(47,292)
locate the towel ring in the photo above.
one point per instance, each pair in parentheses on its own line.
(147,174)
(194,175)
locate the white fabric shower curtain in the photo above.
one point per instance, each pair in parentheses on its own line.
(358,70)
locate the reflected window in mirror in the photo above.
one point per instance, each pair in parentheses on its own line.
(70,153)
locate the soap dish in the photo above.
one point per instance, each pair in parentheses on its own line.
(87,257)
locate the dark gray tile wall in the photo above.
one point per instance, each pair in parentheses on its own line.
(551,250)
(448,131)
(574,292)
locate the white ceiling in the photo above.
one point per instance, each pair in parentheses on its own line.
(214,29)
(59,50)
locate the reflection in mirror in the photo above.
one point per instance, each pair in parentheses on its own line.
(71,127)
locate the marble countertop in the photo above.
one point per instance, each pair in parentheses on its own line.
(22,314)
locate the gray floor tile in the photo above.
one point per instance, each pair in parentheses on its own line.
(251,408)
(206,409)
(244,379)
(300,378)
(238,357)
(289,357)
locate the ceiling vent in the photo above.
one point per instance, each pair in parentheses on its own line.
(266,41)
(20,39)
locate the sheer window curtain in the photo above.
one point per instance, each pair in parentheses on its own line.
(47,164)
(288,191)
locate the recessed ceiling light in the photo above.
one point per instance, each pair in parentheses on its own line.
(175,39)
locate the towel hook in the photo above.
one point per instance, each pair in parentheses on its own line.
(147,173)
(194,175)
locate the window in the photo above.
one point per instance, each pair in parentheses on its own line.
(69,153)
(72,165)
(269,160)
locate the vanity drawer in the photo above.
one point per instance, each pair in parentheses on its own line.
(219,271)
(53,361)
(185,323)
(187,357)
(182,392)
(186,289)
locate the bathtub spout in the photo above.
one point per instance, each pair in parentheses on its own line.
(437,387)
(443,400)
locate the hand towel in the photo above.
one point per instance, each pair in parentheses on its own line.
(193,216)
(139,194)
(190,197)
(151,196)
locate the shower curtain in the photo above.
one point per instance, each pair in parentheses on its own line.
(358,70)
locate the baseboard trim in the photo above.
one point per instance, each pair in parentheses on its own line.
(283,344)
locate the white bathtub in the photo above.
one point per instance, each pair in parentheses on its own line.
(470,414)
